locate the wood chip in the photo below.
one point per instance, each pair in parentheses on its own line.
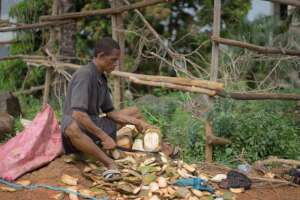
(24,182)
(138,145)
(197,193)
(218,178)
(237,190)
(149,161)
(154,197)
(154,187)
(171,191)
(69,180)
(7,189)
(152,140)
(182,192)
(189,167)
(183,173)
(59,196)
(73,196)
(162,182)
(87,192)
(71,158)
(93,166)
(87,169)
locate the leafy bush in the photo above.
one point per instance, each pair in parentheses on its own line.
(256,128)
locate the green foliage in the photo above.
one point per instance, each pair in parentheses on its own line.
(256,128)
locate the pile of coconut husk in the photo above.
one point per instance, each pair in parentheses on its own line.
(147,172)
(145,176)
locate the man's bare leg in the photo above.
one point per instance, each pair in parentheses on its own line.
(85,144)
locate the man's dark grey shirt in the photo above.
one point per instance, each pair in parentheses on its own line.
(88,92)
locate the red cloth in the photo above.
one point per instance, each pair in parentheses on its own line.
(32,148)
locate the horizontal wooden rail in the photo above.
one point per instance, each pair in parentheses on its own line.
(259,96)
(168,82)
(107,11)
(256,48)
(34,26)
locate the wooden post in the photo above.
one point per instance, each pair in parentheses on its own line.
(48,76)
(213,77)
(118,35)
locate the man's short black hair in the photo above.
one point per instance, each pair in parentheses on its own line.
(106,45)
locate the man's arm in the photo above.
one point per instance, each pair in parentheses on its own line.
(84,120)
(125,119)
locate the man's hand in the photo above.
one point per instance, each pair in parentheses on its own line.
(108,143)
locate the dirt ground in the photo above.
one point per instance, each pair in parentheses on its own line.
(52,173)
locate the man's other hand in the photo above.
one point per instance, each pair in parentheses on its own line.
(108,143)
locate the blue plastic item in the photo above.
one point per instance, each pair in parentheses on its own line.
(196,183)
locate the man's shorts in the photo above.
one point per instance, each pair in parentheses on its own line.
(106,124)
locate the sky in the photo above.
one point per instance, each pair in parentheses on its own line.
(259,8)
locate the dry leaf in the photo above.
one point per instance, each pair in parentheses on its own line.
(69,180)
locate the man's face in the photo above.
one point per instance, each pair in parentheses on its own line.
(109,62)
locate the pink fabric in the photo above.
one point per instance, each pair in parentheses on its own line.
(35,146)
